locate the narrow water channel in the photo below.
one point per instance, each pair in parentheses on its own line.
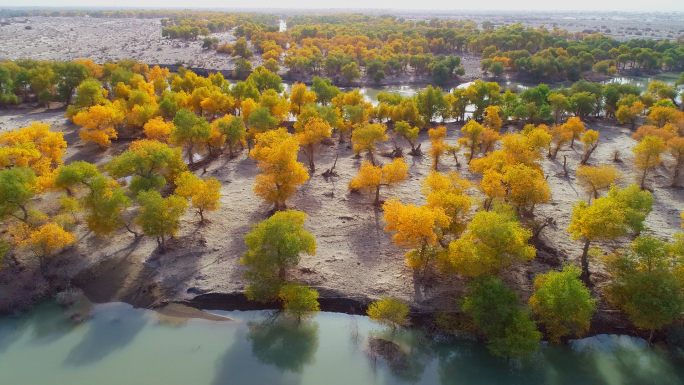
(123,345)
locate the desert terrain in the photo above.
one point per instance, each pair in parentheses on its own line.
(355,258)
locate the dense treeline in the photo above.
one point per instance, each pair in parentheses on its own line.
(472,230)
(539,53)
(347,45)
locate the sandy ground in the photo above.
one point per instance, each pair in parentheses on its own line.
(355,257)
(106,40)
(69,38)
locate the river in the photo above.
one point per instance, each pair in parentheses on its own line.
(123,345)
(371,93)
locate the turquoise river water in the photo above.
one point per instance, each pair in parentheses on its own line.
(123,345)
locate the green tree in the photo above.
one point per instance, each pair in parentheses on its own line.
(234,129)
(70,75)
(350,71)
(75,176)
(242,68)
(104,204)
(562,303)
(430,103)
(405,131)
(150,163)
(261,120)
(160,217)
(644,285)
(190,132)
(299,301)
(494,309)
(609,217)
(264,79)
(440,74)
(324,90)
(275,244)
(17,188)
(496,68)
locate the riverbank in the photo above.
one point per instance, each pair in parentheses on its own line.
(120,344)
(356,260)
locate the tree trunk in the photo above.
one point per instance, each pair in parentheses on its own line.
(191,159)
(377,196)
(585,262)
(565,168)
(643,179)
(675,173)
(201,213)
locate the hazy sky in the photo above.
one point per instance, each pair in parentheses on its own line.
(619,5)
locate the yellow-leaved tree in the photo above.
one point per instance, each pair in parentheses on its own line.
(99,124)
(526,187)
(310,137)
(437,144)
(492,119)
(158,129)
(448,193)
(417,228)
(299,96)
(590,140)
(366,136)
(276,153)
(203,194)
(492,241)
(575,126)
(43,241)
(371,177)
(472,137)
(596,179)
(35,147)
(647,155)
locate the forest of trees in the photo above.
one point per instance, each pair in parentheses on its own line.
(474,231)
(346,46)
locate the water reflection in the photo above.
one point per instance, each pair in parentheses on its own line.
(283,347)
(404,353)
(284,343)
(119,345)
(113,329)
